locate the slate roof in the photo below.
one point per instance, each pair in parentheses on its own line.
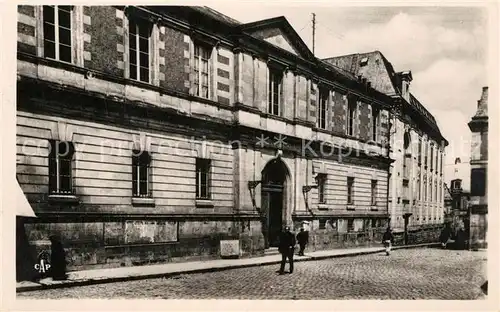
(216,15)
(383,78)
(386,82)
(420,108)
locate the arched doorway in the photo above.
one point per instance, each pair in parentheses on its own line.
(274,182)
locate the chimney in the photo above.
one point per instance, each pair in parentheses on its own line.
(482,104)
(406,78)
(484,97)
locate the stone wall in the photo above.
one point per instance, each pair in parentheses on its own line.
(366,236)
(478,230)
(104,41)
(91,245)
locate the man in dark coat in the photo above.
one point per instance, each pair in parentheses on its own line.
(445,236)
(286,248)
(388,239)
(57,259)
(303,240)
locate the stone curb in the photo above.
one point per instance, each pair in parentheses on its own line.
(105,280)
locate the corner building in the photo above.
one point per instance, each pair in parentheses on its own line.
(150,134)
(478,205)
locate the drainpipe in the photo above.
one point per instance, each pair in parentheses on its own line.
(389,126)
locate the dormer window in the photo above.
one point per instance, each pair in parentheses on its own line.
(456,184)
(363,62)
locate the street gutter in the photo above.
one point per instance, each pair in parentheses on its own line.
(104,280)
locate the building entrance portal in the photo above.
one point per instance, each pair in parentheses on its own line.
(274,180)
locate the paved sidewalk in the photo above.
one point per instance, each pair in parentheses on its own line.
(99,276)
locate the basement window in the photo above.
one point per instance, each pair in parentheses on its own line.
(322,224)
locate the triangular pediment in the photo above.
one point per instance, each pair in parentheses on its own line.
(275,36)
(278,32)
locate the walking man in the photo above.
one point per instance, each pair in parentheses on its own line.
(286,248)
(445,236)
(303,240)
(388,239)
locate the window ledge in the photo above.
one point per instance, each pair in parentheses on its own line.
(322,206)
(204,203)
(373,208)
(351,207)
(64,198)
(143,201)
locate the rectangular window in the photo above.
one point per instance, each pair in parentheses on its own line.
(426,151)
(389,186)
(350,190)
(275,92)
(478,182)
(139,54)
(375,121)
(437,158)
(322,224)
(432,157)
(141,171)
(57,32)
(202,55)
(333,224)
(374,193)
(350,225)
(419,192)
(323,109)
(321,188)
(60,167)
(425,191)
(351,113)
(202,178)
(420,150)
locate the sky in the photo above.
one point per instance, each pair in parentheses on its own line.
(446,49)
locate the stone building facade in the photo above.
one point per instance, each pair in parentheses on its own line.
(478,204)
(416,187)
(150,134)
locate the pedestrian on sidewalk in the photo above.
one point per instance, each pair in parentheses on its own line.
(57,259)
(445,236)
(286,248)
(303,240)
(388,240)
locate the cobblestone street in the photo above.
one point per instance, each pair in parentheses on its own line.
(406,274)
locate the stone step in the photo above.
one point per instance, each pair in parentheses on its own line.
(271,251)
